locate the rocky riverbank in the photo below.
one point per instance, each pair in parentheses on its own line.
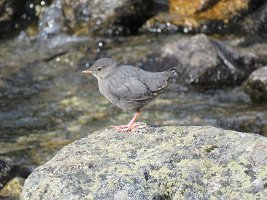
(219,48)
(155,163)
(47,103)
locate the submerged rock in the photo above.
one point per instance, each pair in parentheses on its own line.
(155,163)
(256,85)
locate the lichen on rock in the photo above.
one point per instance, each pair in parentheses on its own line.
(155,163)
(256,85)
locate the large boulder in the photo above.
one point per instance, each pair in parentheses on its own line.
(256,85)
(202,61)
(198,11)
(210,16)
(95,17)
(155,163)
(198,15)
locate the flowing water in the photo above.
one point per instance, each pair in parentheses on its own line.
(47,103)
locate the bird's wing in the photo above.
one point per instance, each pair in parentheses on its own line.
(131,89)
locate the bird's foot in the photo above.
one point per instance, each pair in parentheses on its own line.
(125,128)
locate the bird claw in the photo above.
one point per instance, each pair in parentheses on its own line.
(124,128)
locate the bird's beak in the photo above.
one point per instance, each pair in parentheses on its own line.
(88,71)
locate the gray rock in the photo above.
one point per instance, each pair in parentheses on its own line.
(52,22)
(256,23)
(256,85)
(252,122)
(5,169)
(204,62)
(155,163)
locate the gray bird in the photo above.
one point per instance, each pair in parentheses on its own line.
(127,87)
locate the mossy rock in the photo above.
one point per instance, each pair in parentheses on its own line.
(155,163)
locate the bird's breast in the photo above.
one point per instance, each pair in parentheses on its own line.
(104,88)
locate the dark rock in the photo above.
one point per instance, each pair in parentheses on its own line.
(95,17)
(9,170)
(204,62)
(160,6)
(179,163)
(256,23)
(5,168)
(252,122)
(15,15)
(6,10)
(256,85)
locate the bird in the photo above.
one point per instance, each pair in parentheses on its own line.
(128,87)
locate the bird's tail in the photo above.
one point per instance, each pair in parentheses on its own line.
(171,73)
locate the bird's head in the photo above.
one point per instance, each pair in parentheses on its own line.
(102,68)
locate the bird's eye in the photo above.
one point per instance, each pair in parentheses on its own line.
(99,68)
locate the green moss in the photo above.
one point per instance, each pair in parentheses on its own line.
(211,148)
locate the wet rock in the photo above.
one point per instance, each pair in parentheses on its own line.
(6,15)
(109,18)
(53,29)
(95,17)
(15,15)
(6,10)
(160,6)
(12,189)
(256,85)
(52,22)
(256,23)
(201,15)
(9,170)
(201,10)
(207,16)
(5,168)
(155,163)
(204,62)
(252,122)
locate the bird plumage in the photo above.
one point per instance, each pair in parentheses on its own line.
(131,88)
(127,87)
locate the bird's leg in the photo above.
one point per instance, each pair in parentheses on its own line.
(129,126)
